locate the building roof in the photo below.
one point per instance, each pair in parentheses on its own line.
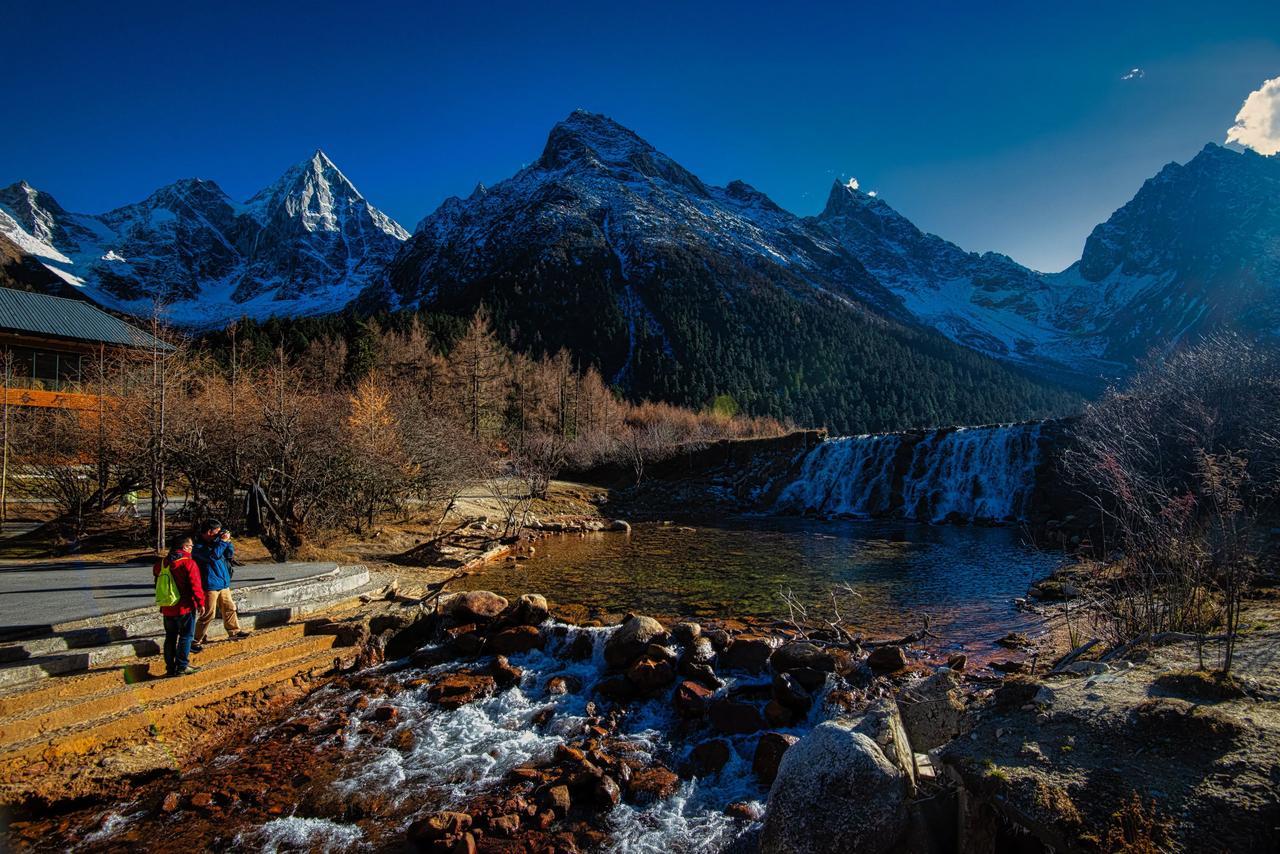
(59,317)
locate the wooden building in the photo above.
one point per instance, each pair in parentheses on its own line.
(47,342)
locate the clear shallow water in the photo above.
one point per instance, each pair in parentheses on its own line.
(964,577)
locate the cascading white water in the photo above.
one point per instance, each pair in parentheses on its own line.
(973,473)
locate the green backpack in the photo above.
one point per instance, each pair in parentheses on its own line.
(166,587)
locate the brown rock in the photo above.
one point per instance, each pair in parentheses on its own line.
(464,844)
(580,648)
(1010,666)
(504,673)
(957,661)
(709,757)
(649,675)
(768,755)
(557,685)
(474,606)
(404,740)
(457,689)
(386,714)
(605,792)
(787,691)
(439,826)
(778,715)
(629,641)
(505,825)
(720,639)
(798,654)
(749,654)
(887,659)
(691,699)
(171,802)
(686,633)
(734,718)
(202,800)
(744,810)
(652,784)
(531,610)
(557,798)
(514,640)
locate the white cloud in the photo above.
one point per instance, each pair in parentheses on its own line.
(1258,122)
(873,194)
(1133,74)
(852,183)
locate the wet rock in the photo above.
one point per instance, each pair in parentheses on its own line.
(744,810)
(701,673)
(957,661)
(835,792)
(441,825)
(661,652)
(691,699)
(505,825)
(734,718)
(652,784)
(531,610)
(514,640)
(1010,666)
(618,688)
(578,649)
(1014,640)
(474,606)
(649,675)
(557,799)
(809,678)
(404,740)
(386,714)
(504,673)
(778,715)
(457,689)
(542,717)
(932,710)
(720,639)
(801,654)
(769,750)
(709,757)
(790,693)
(686,633)
(468,645)
(699,651)
(887,659)
(171,802)
(749,654)
(629,641)
(605,793)
(202,800)
(568,684)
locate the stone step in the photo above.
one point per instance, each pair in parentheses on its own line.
(153,721)
(156,693)
(50,691)
(137,644)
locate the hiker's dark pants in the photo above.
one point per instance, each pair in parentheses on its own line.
(178,634)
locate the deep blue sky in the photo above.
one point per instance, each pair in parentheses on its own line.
(998,126)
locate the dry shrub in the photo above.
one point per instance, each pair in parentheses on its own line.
(1136,828)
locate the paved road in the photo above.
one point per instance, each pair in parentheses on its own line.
(47,594)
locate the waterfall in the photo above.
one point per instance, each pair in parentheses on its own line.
(968,473)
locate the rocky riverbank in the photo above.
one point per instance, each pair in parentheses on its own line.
(508,730)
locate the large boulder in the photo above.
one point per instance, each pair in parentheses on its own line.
(650,675)
(932,710)
(734,718)
(887,659)
(801,654)
(514,640)
(749,654)
(531,609)
(474,606)
(882,723)
(835,793)
(630,640)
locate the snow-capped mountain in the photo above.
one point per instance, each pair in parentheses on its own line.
(987,302)
(1197,249)
(679,290)
(306,244)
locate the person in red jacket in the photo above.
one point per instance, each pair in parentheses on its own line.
(180,619)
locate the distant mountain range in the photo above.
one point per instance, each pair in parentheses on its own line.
(308,243)
(676,288)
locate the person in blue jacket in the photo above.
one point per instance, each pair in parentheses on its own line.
(213,553)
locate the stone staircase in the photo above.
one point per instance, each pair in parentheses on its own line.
(117,693)
(83,645)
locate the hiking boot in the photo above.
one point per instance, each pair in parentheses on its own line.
(189,669)
(238,635)
(197,647)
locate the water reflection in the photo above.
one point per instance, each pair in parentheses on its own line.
(964,577)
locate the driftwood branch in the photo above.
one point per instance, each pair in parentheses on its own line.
(1074,654)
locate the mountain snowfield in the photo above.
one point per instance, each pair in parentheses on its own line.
(307,244)
(604,219)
